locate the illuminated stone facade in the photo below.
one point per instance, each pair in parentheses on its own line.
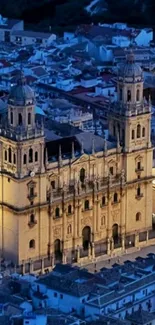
(85,204)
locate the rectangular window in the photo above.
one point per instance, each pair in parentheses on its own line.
(138,165)
(53,185)
(61,296)
(31,191)
(55,294)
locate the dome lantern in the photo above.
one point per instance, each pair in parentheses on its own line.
(130,71)
(21,94)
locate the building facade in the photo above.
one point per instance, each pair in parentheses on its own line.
(78,197)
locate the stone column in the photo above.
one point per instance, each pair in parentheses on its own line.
(137,239)
(94,215)
(31,267)
(79,220)
(149,133)
(78,254)
(122,212)
(123,242)
(64,228)
(64,257)
(19,163)
(50,231)
(108,246)
(109,218)
(42,167)
(75,221)
(93,250)
(147,236)
(97,216)
(112,244)
(89,251)
(42,265)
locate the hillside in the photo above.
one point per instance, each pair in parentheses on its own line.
(59,14)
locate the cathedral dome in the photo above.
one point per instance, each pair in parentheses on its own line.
(130,69)
(21,93)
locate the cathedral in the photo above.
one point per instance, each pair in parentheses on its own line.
(81,196)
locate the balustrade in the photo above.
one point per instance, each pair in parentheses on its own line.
(86,187)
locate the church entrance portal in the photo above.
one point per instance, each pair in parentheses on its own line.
(115,233)
(57,250)
(86,235)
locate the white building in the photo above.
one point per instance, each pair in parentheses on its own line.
(121,41)
(26,37)
(7,26)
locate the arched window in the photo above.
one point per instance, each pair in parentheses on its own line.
(103,200)
(115,197)
(143,132)
(32,243)
(133,134)
(20,120)
(69,209)
(138,131)
(30,155)
(57,212)
(69,229)
(120,94)
(10,155)
(36,156)
(82,175)
(138,191)
(138,95)
(103,221)
(138,216)
(32,218)
(24,159)
(129,95)
(29,118)
(5,155)
(14,158)
(86,205)
(11,117)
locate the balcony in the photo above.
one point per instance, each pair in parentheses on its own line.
(31,196)
(32,224)
(139,196)
(86,210)
(141,169)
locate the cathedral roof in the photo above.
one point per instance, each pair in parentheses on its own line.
(130,68)
(21,93)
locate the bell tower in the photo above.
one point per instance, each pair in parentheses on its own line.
(130,115)
(22,137)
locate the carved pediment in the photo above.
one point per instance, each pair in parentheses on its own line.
(31,184)
(138,158)
(111,162)
(52,175)
(82,159)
